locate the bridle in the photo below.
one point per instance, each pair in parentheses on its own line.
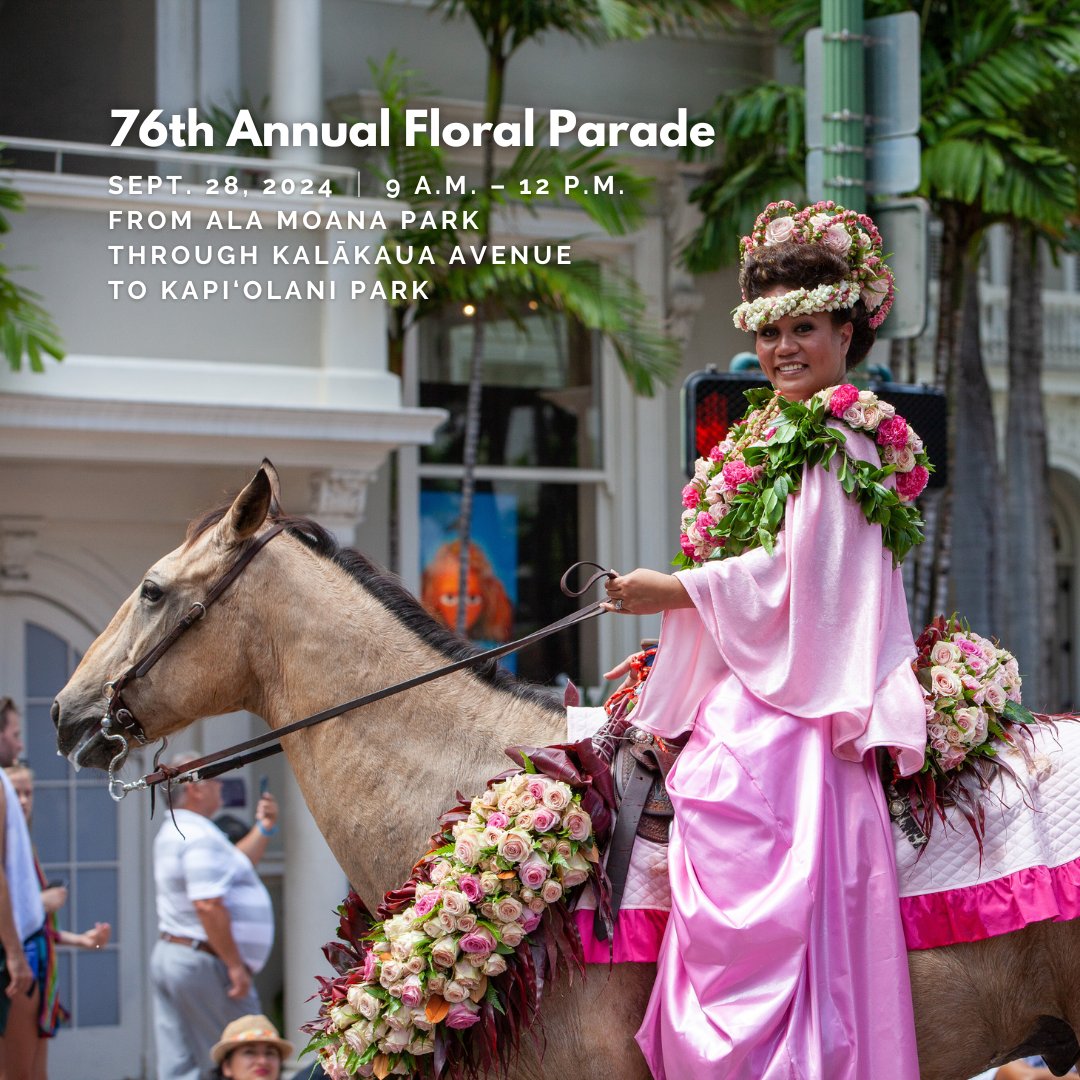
(119,724)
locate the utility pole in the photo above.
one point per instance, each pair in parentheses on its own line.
(844,48)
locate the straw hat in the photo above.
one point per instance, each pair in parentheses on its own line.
(249,1029)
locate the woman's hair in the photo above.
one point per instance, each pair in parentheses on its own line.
(805,266)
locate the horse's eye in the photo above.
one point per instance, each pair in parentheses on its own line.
(151,591)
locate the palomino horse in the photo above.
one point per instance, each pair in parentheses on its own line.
(306,626)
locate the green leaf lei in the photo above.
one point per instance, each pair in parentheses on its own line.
(751,514)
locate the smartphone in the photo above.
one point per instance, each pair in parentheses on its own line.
(264,785)
(56,883)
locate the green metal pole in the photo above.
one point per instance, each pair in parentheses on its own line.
(844,55)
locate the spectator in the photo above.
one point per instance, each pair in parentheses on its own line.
(215,924)
(1032,1068)
(53,897)
(250,1049)
(22,918)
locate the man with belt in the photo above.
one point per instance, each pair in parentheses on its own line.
(215,923)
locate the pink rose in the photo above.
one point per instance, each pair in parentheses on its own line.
(873,293)
(855,416)
(369,966)
(494,965)
(498,820)
(966,645)
(507,909)
(996,697)
(481,940)
(551,891)
(470,887)
(462,1015)
(446,920)
(952,757)
(530,920)
(943,682)
(910,485)
(544,819)
(558,796)
(837,239)
(463,924)
(390,972)
(944,652)
(512,934)
(534,871)
(454,902)
(426,904)
(843,397)
(525,820)
(687,546)
(444,952)
(439,869)
(412,993)
(536,787)
(454,992)
(691,497)
(577,823)
(779,231)
(514,846)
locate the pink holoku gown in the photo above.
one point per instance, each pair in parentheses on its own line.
(784,956)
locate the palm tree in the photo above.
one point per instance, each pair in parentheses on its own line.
(601,299)
(26,328)
(984,160)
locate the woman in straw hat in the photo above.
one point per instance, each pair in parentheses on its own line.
(250,1049)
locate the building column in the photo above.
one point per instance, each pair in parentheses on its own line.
(296,70)
(313,882)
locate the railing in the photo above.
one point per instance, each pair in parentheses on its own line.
(196,165)
(1061,329)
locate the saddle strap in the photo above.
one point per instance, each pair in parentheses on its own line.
(621,847)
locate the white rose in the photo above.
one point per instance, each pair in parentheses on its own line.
(944,682)
(996,697)
(855,416)
(944,652)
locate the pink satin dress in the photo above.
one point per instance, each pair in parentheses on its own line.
(784,957)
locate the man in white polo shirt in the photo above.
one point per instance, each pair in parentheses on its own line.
(215,927)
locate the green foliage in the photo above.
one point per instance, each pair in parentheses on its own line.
(601,298)
(27,331)
(803,439)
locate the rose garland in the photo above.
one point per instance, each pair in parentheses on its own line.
(852,236)
(971,688)
(737,497)
(456,952)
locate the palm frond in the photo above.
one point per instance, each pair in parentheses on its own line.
(26,328)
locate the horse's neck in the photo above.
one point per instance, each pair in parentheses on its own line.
(376,780)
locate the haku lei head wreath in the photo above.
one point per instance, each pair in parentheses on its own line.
(850,236)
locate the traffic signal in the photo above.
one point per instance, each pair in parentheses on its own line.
(713,401)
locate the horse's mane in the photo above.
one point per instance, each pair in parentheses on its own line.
(388,589)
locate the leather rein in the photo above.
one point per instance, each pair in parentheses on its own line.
(119,724)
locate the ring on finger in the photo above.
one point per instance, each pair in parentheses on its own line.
(618,605)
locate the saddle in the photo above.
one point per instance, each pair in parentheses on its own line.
(639,770)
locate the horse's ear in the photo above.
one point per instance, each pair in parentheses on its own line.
(275,485)
(249,508)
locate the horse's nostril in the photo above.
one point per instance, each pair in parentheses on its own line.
(54,712)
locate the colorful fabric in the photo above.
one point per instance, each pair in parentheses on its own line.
(784,955)
(45,965)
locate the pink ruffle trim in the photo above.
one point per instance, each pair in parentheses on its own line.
(638,932)
(981,911)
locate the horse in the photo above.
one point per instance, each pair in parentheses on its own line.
(308,624)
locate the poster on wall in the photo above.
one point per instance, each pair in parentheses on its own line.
(491,580)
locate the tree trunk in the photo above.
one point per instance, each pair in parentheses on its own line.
(1030,584)
(974,475)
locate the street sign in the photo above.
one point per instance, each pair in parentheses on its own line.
(904,228)
(892,167)
(892,79)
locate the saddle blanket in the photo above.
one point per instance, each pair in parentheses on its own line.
(1028,870)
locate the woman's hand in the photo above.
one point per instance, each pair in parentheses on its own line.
(97,938)
(53,898)
(266,812)
(644,592)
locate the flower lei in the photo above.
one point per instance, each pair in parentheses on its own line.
(737,497)
(971,688)
(459,952)
(755,314)
(852,236)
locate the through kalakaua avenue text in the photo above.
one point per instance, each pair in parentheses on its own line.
(558,127)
